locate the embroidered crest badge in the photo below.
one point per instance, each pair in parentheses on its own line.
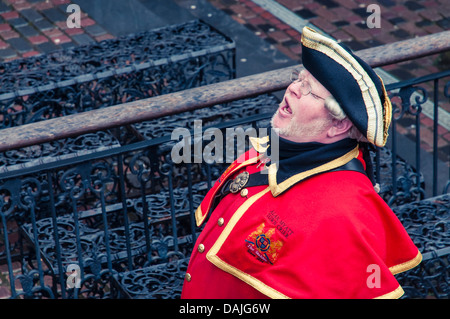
(263,245)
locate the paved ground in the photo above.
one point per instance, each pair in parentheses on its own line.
(37,26)
(266,32)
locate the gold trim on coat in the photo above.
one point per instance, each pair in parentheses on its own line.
(406,265)
(277,189)
(247,278)
(261,286)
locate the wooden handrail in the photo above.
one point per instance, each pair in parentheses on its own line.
(200,97)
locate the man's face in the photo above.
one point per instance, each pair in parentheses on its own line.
(303,118)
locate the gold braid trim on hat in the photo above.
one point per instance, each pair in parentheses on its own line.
(387,112)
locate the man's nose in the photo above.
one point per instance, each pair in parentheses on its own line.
(294,89)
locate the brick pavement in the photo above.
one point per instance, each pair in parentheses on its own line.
(345,20)
(31,27)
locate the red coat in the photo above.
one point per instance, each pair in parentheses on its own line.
(328,236)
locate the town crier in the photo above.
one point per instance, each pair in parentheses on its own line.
(308,223)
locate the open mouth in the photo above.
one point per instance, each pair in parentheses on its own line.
(285,108)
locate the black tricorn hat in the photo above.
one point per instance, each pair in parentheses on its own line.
(353,83)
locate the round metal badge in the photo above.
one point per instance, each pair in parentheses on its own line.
(239,182)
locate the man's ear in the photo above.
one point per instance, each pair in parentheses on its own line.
(339,127)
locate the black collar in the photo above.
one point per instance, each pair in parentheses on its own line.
(295,158)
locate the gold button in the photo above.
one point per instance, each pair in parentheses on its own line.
(188,277)
(201,248)
(244,192)
(220,221)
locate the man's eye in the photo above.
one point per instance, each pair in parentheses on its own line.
(315,96)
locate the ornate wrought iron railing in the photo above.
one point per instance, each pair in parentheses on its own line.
(409,100)
(112,72)
(124,214)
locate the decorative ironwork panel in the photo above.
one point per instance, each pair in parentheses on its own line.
(164,281)
(108,73)
(408,181)
(92,237)
(113,71)
(428,224)
(56,151)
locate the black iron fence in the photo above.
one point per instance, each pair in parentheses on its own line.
(117,221)
(116,210)
(431,169)
(112,72)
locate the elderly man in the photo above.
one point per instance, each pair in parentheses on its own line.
(310,224)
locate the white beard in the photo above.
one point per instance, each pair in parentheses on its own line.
(294,129)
